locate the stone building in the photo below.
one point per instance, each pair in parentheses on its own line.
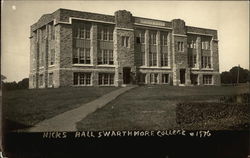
(74,48)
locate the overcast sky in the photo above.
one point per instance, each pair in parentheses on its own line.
(230,18)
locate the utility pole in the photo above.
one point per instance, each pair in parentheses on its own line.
(238,74)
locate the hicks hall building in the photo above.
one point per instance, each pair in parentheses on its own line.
(75,48)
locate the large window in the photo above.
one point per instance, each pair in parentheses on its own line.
(81,56)
(206,62)
(140,37)
(41,58)
(192,60)
(106,79)
(205,45)
(164,59)
(50,80)
(153,78)
(52,57)
(125,41)
(164,39)
(207,79)
(82,31)
(152,59)
(152,38)
(180,46)
(142,58)
(44,33)
(52,32)
(41,80)
(105,57)
(105,33)
(82,78)
(192,44)
(165,78)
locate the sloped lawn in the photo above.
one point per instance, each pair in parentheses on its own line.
(151,107)
(24,108)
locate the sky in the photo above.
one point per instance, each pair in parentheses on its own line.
(230,18)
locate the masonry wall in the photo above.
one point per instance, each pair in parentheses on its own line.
(124,25)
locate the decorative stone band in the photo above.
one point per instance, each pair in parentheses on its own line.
(180,35)
(147,25)
(120,28)
(82,19)
(195,33)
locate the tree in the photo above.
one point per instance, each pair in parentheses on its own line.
(24,84)
(234,75)
(226,77)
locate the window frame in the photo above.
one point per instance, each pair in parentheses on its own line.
(82,78)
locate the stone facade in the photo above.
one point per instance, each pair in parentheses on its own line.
(74,48)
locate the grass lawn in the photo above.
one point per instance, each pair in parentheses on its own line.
(25,108)
(151,107)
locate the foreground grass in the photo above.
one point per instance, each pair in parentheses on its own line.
(151,108)
(28,107)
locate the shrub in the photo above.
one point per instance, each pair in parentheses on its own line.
(195,112)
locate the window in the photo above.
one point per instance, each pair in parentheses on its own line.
(41,80)
(153,78)
(52,57)
(110,33)
(202,45)
(140,37)
(207,79)
(106,79)
(34,80)
(50,80)
(192,44)
(43,32)
(165,78)
(125,41)
(81,56)
(82,78)
(142,58)
(41,58)
(192,60)
(105,33)
(207,45)
(142,78)
(37,35)
(52,35)
(152,38)
(138,40)
(82,31)
(164,39)
(164,59)
(206,62)
(152,59)
(105,56)
(180,46)
(194,79)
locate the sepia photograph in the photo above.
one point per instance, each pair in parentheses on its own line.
(125,69)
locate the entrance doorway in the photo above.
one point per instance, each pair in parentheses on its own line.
(182,76)
(126,75)
(194,79)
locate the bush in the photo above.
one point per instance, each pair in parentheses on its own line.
(24,84)
(241,98)
(195,112)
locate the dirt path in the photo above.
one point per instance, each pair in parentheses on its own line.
(67,120)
